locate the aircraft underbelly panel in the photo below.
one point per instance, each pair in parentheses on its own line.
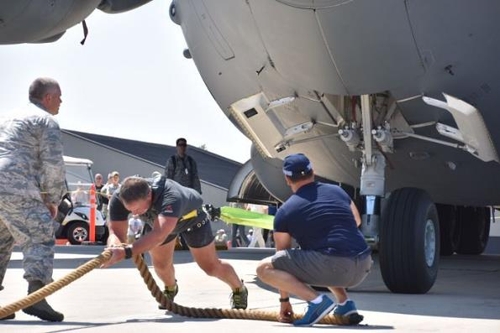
(296,46)
(372,45)
(461,48)
(301,51)
(228,78)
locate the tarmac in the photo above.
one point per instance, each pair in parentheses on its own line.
(465,298)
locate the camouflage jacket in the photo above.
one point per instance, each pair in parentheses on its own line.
(31,155)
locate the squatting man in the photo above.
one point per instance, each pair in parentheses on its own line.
(333,252)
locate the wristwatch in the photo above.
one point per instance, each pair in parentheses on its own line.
(128,251)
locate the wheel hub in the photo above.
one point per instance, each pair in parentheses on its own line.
(80,234)
(430,242)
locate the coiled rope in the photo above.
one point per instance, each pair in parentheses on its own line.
(160,298)
(225,313)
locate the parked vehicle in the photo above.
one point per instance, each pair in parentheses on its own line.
(75,225)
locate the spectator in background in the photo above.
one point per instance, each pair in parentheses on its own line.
(100,198)
(238,233)
(257,238)
(220,238)
(268,234)
(109,189)
(134,228)
(80,197)
(182,168)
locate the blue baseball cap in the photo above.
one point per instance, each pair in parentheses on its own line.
(296,165)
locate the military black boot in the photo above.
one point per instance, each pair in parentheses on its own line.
(41,309)
(11,316)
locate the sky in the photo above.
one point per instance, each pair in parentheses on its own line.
(130,80)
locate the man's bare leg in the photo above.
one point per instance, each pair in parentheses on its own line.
(163,262)
(284,281)
(206,257)
(339,293)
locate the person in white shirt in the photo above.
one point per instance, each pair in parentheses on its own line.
(134,228)
(257,238)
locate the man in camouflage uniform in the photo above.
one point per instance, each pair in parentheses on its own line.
(31,187)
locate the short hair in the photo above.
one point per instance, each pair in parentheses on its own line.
(134,188)
(180,140)
(40,87)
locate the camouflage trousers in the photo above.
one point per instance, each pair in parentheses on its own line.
(28,224)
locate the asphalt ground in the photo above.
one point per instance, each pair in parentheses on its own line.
(465,298)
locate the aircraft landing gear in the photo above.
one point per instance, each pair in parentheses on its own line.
(463,229)
(409,242)
(407,233)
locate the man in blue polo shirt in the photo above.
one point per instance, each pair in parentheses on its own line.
(333,253)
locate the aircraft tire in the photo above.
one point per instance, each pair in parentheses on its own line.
(448,229)
(475,230)
(409,242)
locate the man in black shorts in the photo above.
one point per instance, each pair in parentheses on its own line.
(169,209)
(333,252)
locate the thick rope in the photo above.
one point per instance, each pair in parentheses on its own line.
(157,293)
(160,298)
(49,289)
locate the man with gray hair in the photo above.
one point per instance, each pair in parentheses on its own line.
(31,188)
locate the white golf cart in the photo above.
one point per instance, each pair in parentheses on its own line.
(75,226)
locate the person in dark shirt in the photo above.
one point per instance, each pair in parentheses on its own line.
(169,209)
(183,168)
(333,253)
(101,199)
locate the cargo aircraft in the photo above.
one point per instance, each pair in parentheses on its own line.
(395,100)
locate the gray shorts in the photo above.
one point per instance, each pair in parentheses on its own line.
(323,270)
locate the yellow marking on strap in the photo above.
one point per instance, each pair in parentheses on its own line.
(190,215)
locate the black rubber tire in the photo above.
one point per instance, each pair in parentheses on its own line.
(76,228)
(408,218)
(474,230)
(448,229)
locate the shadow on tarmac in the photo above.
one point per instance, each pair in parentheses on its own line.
(467,286)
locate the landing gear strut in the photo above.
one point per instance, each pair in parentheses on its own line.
(407,233)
